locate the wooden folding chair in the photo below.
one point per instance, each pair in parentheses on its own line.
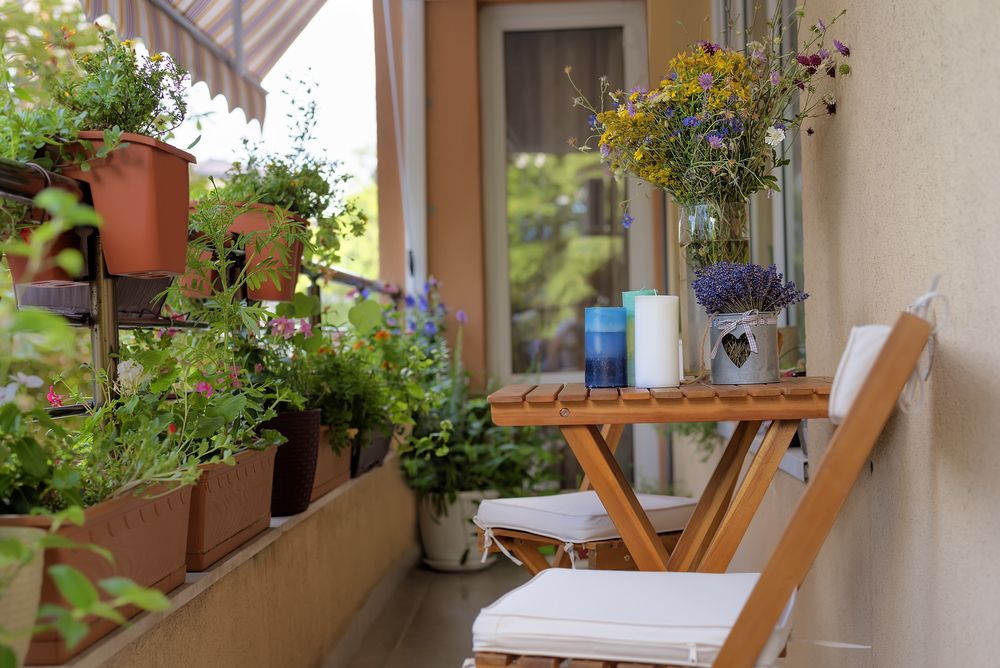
(556,617)
(610,554)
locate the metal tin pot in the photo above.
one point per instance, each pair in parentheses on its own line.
(744,348)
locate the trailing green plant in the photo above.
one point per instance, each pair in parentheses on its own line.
(306,184)
(116,88)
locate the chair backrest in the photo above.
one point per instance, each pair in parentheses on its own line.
(812,521)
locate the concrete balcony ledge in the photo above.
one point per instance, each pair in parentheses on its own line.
(303,593)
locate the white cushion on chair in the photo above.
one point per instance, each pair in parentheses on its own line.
(578,517)
(660,618)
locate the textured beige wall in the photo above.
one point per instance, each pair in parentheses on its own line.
(289,604)
(900,184)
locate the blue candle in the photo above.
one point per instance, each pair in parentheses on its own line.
(605,346)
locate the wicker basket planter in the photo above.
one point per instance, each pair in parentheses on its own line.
(295,463)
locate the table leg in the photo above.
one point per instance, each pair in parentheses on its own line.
(749,496)
(601,467)
(714,500)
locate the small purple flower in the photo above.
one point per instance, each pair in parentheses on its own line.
(365,293)
(780,125)
(843,48)
(411,326)
(605,150)
(736,125)
(461,317)
(410,301)
(423,303)
(672,76)
(690,122)
(775,78)
(824,53)
(669,112)
(706,80)
(282,327)
(430,329)
(714,140)
(627,220)
(820,26)
(593,122)
(708,47)
(305,327)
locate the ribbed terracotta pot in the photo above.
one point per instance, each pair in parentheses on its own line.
(332,469)
(230,505)
(287,260)
(141,192)
(295,463)
(146,537)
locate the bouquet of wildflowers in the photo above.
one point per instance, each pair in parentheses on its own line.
(728,287)
(710,131)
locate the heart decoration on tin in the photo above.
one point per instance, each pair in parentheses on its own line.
(737,348)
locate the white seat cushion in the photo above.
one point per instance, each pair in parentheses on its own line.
(578,517)
(660,618)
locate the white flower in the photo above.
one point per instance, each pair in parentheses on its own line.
(8,393)
(31,382)
(130,376)
(774,136)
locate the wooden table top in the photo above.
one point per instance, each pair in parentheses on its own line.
(574,404)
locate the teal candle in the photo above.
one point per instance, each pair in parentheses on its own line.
(628,301)
(604,347)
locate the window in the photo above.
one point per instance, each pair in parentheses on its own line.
(554,241)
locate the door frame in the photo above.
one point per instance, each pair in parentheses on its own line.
(494,21)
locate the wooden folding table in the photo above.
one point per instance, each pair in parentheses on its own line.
(723,513)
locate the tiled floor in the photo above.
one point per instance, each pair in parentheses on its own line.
(428,621)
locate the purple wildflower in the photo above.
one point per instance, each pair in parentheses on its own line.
(410,301)
(775,78)
(282,327)
(708,47)
(305,327)
(627,220)
(605,150)
(843,48)
(691,122)
(430,329)
(669,112)
(824,53)
(714,140)
(706,80)
(461,317)
(593,122)
(672,76)
(423,303)
(820,26)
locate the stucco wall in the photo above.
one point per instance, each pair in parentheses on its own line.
(899,184)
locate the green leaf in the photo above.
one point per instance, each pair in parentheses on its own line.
(31,457)
(229,407)
(194,143)
(70,261)
(365,316)
(147,599)
(7,657)
(305,305)
(74,586)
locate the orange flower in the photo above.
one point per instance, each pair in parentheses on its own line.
(359,345)
(382,335)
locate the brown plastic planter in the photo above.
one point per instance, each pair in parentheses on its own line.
(295,463)
(141,192)
(229,506)
(146,536)
(332,469)
(258,218)
(52,276)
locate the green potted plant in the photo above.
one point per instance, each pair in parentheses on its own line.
(456,456)
(116,474)
(287,192)
(139,184)
(38,43)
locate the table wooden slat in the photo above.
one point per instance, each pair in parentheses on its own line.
(544,394)
(697,391)
(634,393)
(666,392)
(729,391)
(798,386)
(768,390)
(511,394)
(604,394)
(573,392)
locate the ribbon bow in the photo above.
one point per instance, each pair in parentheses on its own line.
(729,326)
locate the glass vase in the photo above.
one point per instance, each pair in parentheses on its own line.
(708,233)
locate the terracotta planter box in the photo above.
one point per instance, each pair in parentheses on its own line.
(372,453)
(229,506)
(332,469)
(147,537)
(287,261)
(295,463)
(52,276)
(141,192)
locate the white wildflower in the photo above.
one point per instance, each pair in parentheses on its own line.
(130,376)
(31,382)
(8,393)
(774,136)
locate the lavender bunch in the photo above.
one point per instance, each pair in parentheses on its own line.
(730,287)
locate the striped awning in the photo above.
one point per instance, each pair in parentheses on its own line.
(229,44)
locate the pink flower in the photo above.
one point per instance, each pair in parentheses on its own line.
(205,389)
(168,332)
(234,377)
(305,327)
(282,327)
(55,400)
(258,367)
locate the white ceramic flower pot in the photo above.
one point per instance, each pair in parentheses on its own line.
(450,539)
(22,595)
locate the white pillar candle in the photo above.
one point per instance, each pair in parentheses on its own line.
(657,330)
